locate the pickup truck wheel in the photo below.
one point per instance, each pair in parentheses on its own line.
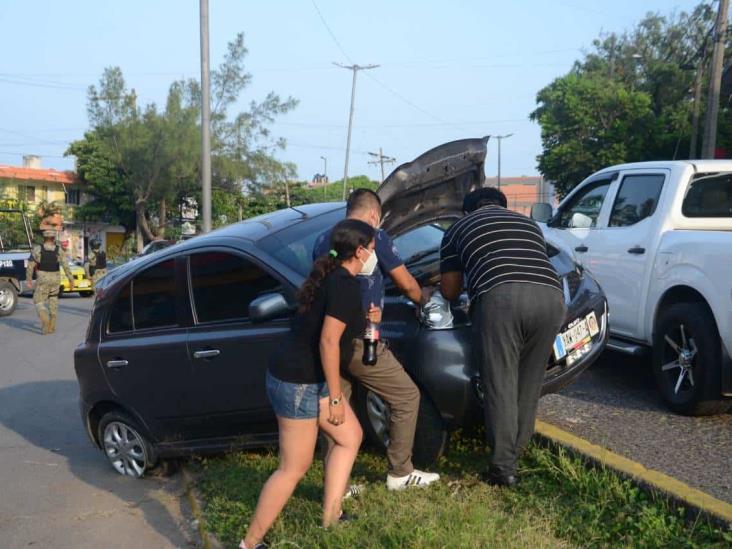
(8,298)
(687,360)
(430,438)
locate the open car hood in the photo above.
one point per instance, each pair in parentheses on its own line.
(432,187)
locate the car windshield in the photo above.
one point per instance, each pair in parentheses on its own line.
(294,246)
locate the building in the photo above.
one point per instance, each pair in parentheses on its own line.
(524,191)
(32,184)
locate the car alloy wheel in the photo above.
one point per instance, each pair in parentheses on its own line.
(683,351)
(125,449)
(379,415)
(8,298)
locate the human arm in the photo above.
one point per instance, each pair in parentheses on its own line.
(87,265)
(65,266)
(451,280)
(451,285)
(330,358)
(30,267)
(408,285)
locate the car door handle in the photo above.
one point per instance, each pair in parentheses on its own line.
(637,250)
(116,363)
(582,248)
(207,353)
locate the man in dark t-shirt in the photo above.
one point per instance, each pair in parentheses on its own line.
(387,377)
(517,307)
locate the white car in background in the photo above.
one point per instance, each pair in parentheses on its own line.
(657,236)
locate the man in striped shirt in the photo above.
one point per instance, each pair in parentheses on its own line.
(517,307)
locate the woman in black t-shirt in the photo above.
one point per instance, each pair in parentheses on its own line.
(304,384)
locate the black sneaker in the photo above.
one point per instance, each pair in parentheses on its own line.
(496,478)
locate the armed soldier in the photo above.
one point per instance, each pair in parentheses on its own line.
(96,262)
(49,259)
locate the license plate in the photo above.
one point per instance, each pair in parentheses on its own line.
(82,284)
(577,335)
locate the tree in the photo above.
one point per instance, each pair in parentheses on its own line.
(149,159)
(588,123)
(640,85)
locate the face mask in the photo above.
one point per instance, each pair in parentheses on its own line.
(369,266)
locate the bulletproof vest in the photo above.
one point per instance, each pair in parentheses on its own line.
(49,260)
(101,260)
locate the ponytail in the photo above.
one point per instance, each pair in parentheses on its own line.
(322,267)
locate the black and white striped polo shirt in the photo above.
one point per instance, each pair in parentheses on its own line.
(493,245)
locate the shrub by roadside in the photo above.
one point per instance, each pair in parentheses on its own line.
(560,503)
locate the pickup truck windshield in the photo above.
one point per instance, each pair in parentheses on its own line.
(709,195)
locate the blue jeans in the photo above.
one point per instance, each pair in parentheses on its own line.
(295,400)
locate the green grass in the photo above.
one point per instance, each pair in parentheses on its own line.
(561,502)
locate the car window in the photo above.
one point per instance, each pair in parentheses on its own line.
(153,297)
(120,316)
(637,199)
(225,284)
(584,206)
(709,195)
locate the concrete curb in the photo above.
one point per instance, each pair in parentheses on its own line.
(676,490)
(208,540)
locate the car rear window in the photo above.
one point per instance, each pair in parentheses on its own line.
(709,195)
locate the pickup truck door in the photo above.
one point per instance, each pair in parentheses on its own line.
(575,222)
(621,253)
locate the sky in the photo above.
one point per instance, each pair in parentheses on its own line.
(448,70)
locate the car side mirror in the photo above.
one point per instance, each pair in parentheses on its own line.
(267,307)
(541,212)
(580,221)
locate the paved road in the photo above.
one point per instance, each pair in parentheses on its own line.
(57,489)
(615,405)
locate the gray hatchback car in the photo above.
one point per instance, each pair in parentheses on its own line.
(175,355)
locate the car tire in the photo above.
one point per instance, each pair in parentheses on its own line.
(8,298)
(430,438)
(126,447)
(687,359)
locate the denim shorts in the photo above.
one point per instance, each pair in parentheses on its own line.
(295,400)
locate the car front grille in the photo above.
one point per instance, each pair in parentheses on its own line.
(78,276)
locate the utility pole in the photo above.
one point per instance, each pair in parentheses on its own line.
(500,138)
(355,69)
(205,120)
(325,173)
(381,160)
(715,79)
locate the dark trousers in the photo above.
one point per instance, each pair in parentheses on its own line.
(515,325)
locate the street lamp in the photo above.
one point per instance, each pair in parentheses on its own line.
(501,138)
(325,173)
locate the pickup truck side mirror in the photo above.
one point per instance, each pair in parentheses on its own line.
(580,221)
(541,212)
(267,307)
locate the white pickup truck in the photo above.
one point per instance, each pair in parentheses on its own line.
(657,236)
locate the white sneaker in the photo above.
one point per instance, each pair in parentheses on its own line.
(415,478)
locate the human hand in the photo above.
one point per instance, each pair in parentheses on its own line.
(426,295)
(337,413)
(374,314)
(29,284)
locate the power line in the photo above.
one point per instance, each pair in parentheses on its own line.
(333,36)
(381,160)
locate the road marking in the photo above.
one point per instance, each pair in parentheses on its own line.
(655,479)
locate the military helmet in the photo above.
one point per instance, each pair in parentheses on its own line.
(95,244)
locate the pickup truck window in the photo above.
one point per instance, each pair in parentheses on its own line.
(587,202)
(636,199)
(709,195)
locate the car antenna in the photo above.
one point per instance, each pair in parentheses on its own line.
(302,213)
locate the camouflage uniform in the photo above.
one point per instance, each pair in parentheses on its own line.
(45,294)
(90,265)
